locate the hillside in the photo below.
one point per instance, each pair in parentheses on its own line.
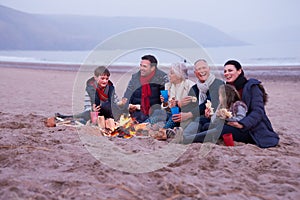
(24,31)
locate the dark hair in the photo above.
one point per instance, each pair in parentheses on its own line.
(151,58)
(229,94)
(236,64)
(101,71)
(265,94)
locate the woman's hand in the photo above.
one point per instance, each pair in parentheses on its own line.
(162,99)
(235,124)
(182,117)
(172,102)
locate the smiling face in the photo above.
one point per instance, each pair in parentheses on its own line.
(146,68)
(202,71)
(102,80)
(231,73)
(174,78)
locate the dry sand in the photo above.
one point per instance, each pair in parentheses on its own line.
(37,162)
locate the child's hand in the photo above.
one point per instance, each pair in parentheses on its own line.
(223,113)
(96,108)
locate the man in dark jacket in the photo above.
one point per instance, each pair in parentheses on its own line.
(143,90)
(206,88)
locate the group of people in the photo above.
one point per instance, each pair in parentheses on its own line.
(243,98)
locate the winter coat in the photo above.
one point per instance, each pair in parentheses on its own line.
(256,120)
(109,108)
(134,89)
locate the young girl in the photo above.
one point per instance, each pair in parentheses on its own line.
(231,108)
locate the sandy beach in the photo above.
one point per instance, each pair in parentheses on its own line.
(65,162)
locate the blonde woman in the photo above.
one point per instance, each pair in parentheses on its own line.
(178,87)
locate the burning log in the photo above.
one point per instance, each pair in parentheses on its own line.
(126,128)
(101,122)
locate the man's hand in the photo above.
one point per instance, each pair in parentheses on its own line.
(185,101)
(133,108)
(122,102)
(207,112)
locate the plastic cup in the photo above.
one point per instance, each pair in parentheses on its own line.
(165,95)
(228,139)
(94,117)
(175,110)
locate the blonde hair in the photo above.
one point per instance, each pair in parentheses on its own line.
(180,70)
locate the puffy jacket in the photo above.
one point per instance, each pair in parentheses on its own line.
(134,89)
(256,120)
(109,108)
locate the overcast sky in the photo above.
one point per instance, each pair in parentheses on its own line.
(228,15)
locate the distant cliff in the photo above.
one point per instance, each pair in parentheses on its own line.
(23,31)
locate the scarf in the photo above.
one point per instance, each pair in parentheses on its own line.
(146,92)
(178,90)
(239,84)
(102,92)
(204,87)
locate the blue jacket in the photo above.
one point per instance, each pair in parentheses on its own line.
(256,121)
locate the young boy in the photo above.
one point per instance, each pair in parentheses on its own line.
(102,94)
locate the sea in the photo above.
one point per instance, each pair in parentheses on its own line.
(276,55)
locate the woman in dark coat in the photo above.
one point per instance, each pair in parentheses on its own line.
(256,127)
(256,124)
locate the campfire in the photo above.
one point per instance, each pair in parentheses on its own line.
(126,128)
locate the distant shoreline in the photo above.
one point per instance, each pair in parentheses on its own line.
(289,72)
